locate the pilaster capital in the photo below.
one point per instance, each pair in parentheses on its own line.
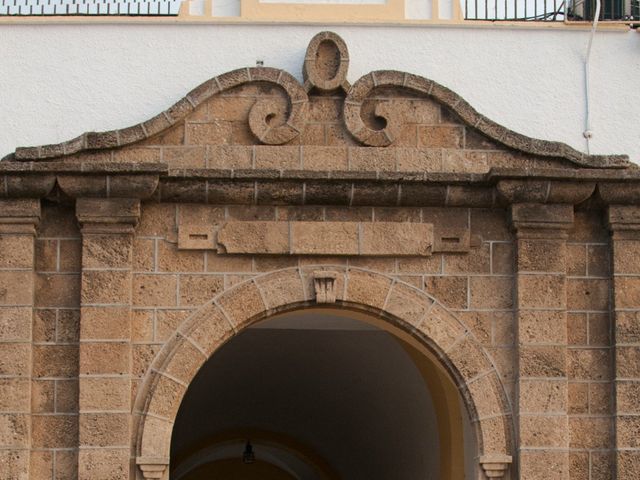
(108,215)
(538,220)
(152,467)
(624,221)
(495,465)
(619,193)
(19,216)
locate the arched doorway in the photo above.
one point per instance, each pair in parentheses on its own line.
(321,395)
(429,330)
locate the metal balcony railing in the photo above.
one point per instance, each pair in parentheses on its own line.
(89,7)
(622,11)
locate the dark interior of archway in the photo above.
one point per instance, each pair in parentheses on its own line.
(344,394)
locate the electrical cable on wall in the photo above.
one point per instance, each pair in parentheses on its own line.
(588,133)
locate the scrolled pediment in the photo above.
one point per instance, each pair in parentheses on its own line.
(275,109)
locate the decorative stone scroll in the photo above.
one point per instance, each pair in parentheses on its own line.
(326,63)
(324,283)
(326,238)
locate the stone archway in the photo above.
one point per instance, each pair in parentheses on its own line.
(402,306)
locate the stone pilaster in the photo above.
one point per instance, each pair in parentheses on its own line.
(18,219)
(624,223)
(105,337)
(541,333)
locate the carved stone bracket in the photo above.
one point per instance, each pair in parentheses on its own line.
(152,467)
(106,216)
(324,283)
(19,216)
(495,465)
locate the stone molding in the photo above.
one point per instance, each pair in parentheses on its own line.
(326,238)
(317,75)
(541,220)
(107,216)
(152,467)
(495,465)
(19,216)
(369,292)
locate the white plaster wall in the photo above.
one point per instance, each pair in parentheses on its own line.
(57,81)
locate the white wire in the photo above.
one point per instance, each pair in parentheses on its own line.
(587,74)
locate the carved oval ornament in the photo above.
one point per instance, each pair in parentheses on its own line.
(326,63)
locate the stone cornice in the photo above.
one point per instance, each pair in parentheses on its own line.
(498,187)
(318,77)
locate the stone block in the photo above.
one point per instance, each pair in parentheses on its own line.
(628,465)
(14,430)
(106,251)
(476,261)
(542,327)
(186,157)
(547,464)
(626,256)
(576,259)
(627,292)
(598,260)
(105,323)
(154,290)
(469,359)
(104,429)
(104,464)
(254,237)
(14,465)
(142,356)
(441,136)
(210,330)
(168,321)
(17,251)
(372,159)
(600,398)
(198,289)
(56,290)
(578,398)
(408,304)
(421,265)
(328,238)
(541,255)
(15,359)
(43,393)
(541,291)
(628,396)
(16,288)
(627,327)
(451,291)
(66,465)
(158,220)
(544,431)
(486,393)
(67,396)
(396,239)
(230,156)
(105,287)
(46,255)
(104,394)
(282,288)
(144,255)
(185,362)
(628,432)
(588,294)
(491,292)
(367,289)
(14,395)
(228,263)
(242,304)
(55,361)
(105,358)
(589,364)
(542,361)
(600,329)
(54,431)
(277,157)
(543,396)
(324,158)
(577,333)
(167,395)
(15,324)
(590,433)
(627,361)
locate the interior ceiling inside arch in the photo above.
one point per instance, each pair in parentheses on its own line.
(345,390)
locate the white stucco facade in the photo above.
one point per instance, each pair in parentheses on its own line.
(58,80)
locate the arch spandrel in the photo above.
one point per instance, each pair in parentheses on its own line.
(396,305)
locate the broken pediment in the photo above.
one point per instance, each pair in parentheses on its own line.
(264,119)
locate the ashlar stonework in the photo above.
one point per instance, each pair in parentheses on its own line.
(127,258)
